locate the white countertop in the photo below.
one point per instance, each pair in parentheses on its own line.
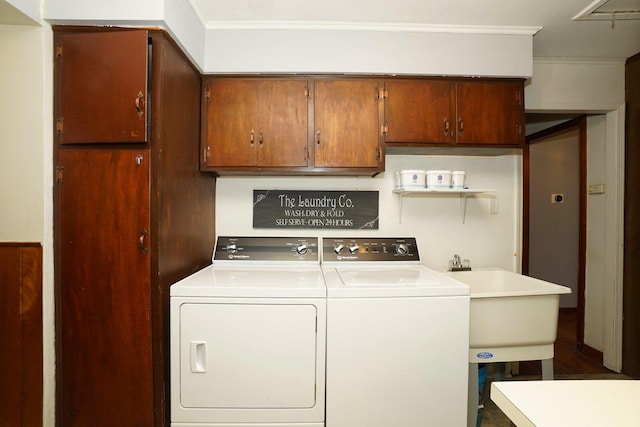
(568,403)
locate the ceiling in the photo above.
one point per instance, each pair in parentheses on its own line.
(609,29)
(9,15)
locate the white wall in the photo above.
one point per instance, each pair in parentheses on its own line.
(21,133)
(471,51)
(596,274)
(590,86)
(367,51)
(26,172)
(487,240)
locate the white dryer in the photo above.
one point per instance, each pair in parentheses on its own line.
(248,336)
(397,337)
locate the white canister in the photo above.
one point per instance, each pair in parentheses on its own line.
(457,179)
(439,179)
(410,178)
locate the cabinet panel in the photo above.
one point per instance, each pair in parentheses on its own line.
(347,124)
(419,111)
(21,332)
(489,113)
(105,273)
(102,78)
(230,122)
(255,123)
(282,123)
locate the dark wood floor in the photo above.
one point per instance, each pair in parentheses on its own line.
(567,358)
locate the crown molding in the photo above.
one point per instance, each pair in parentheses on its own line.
(375,26)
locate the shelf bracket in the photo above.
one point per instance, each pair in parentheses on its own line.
(463,206)
(400,209)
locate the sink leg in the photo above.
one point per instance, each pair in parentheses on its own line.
(498,371)
(472,410)
(547,369)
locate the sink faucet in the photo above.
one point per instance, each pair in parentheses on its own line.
(457,262)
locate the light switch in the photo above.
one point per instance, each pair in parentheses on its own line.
(597,189)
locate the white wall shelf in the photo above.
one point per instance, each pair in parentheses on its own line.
(403,192)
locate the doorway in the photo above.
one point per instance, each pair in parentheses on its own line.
(554,228)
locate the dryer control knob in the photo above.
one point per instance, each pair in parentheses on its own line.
(302,248)
(232,248)
(338,248)
(402,249)
(353,248)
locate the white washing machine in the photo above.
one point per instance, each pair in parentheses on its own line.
(397,337)
(248,336)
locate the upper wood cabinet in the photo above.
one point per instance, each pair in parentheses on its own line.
(347,128)
(255,123)
(450,111)
(103,96)
(419,111)
(490,113)
(289,125)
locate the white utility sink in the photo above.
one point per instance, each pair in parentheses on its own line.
(512,317)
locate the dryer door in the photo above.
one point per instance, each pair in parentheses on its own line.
(247,356)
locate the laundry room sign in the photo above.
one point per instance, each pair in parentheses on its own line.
(315,209)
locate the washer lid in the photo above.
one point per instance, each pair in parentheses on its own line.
(260,281)
(390,281)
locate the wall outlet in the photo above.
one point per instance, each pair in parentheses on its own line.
(557,198)
(493,206)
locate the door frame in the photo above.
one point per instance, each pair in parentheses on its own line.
(579,123)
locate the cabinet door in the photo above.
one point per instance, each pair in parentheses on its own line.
(104,288)
(230,123)
(102,83)
(347,124)
(418,111)
(282,123)
(490,113)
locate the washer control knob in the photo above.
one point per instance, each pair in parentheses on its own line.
(402,249)
(232,248)
(302,249)
(338,248)
(353,248)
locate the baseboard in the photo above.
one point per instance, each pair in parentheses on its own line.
(592,353)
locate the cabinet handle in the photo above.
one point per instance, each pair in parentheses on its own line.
(206,154)
(139,104)
(461,125)
(143,248)
(318,138)
(260,137)
(446,126)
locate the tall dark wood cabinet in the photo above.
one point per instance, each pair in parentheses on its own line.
(631,272)
(133,215)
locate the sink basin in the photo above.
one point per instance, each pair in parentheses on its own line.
(512,317)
